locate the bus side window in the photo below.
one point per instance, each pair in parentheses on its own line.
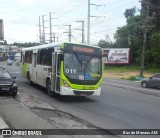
(25,57)
(43,56)
(43,60)
(21,56)
(38,57)
(30,57)
(58,63)
(49,56)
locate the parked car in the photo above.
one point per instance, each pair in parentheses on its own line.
(9,62)
(153,81)
(1,59)
(7,83)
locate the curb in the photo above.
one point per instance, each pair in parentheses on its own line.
(139,90)
(3,125)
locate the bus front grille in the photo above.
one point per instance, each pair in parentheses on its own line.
(83,92)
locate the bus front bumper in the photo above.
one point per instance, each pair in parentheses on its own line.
(75,92)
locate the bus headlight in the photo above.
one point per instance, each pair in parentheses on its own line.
(100,85)
(65,84)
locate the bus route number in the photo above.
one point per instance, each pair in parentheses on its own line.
(71,71)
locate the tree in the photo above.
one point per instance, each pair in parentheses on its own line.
(106,43)
(5,42)
(153,55)
(130,12)
(130,36)
(30,44)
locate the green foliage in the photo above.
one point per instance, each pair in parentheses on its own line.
(124,69)
(153,70)
(155,49)
(132,78)
(106,43)
(130,12)
(121,37)
(131,35)
(135,78)
(5,42)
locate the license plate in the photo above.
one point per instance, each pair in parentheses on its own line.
(5,89)
(83,94)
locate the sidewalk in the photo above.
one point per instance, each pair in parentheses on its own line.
(18,116)
(3,125)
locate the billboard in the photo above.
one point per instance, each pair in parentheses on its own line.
(1,30)
(116,55)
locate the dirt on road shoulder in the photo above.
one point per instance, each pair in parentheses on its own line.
(124,75)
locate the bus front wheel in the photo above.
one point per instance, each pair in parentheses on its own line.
(48,88)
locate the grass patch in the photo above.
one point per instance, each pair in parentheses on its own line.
(153,70)
(135,78)
(122,69)
(132,78)
(128,72)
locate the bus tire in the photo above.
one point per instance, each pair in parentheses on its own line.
(48,88)
(29,80)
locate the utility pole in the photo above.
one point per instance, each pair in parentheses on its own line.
(50,24)
(88,27)
(54,37)
(43,32)
(40,35)
(69,33)
(82,30)
(144,41)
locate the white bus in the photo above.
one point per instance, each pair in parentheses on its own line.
(64,68)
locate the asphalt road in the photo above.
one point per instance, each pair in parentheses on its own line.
(116,108)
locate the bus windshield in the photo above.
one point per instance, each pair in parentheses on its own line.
(82,67)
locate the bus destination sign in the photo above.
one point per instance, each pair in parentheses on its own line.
(83,49)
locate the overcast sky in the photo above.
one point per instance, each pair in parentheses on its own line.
(21,18)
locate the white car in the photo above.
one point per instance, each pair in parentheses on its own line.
(9,62)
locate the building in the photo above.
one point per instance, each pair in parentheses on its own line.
(8,50)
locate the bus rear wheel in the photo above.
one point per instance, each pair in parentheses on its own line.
(48,88)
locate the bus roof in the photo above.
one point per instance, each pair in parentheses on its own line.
(54,45)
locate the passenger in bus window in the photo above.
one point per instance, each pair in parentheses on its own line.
(43,60)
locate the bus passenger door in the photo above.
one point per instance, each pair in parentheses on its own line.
(55,72)
(34,70)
